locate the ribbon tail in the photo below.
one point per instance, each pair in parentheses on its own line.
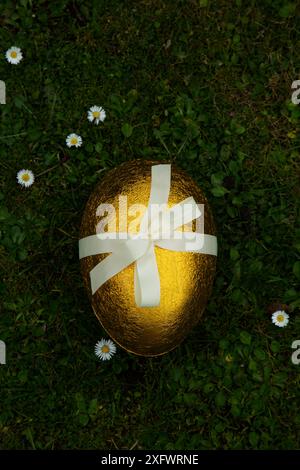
(160,184)
(126,254)
(191,242)
(184,212)
(146,280)
(106,242)
(159,193)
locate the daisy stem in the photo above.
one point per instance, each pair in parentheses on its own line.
(13,135)
(66,233)
(4,165)
(47,171)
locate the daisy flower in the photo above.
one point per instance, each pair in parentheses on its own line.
(280,318)
(96,114)
(14,55)
(73,140)
(228,358)
(25,178)
(105,349)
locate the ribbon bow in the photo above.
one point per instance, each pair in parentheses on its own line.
(155,230)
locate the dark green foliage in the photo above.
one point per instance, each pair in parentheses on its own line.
(207,85)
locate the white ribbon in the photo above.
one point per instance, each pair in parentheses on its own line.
(139,248)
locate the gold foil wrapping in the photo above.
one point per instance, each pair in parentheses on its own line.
(185,278)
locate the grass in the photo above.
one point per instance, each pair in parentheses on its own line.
(207,84)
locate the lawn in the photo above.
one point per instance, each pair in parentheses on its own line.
(206,85)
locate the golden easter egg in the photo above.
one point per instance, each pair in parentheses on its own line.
(186,278)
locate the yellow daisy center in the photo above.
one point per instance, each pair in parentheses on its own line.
(13,54)
(25,177)
(280,318)
(105,349)
(96,114)
(74,140)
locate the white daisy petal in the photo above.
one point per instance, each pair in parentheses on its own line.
(74,140)
(96,114)
(102,115)
(90,116)
(25,178)
(280,318)
(105,349)
(14,55)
